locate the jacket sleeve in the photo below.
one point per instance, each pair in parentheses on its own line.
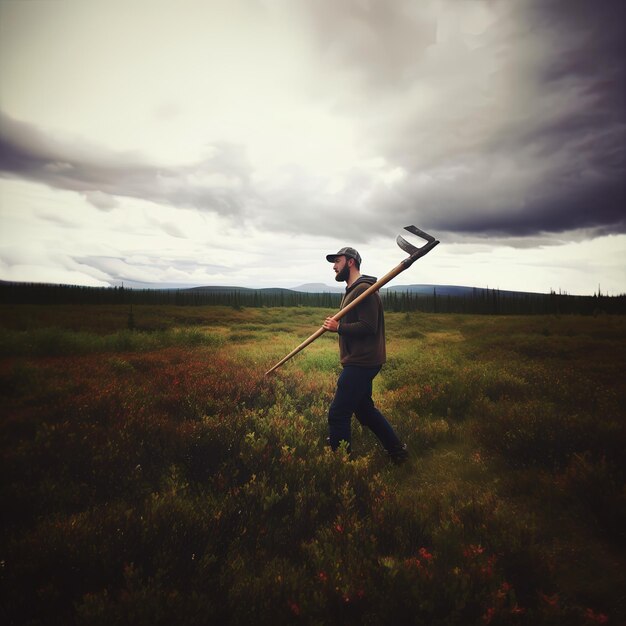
(366,313)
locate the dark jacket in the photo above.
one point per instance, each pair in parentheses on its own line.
(362,330)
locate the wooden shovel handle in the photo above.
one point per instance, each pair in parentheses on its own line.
(369,291)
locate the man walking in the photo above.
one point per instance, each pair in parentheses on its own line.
(362,353)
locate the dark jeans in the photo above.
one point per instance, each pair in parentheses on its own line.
(354,396)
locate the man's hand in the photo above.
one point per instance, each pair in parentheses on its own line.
(331,324)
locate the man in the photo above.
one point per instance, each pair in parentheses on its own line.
(362,353)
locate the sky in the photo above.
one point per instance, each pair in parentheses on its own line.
(168,143)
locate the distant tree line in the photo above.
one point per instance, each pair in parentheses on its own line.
(41,293)
(496,302)
(478,301)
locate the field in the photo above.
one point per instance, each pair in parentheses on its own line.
(152,475)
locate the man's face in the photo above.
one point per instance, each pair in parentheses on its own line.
(342,269)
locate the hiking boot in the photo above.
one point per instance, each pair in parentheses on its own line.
(398,455)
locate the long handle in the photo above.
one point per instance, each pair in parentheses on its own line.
(418,252)
(370,290)
(304,344)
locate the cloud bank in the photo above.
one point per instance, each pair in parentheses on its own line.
(485,119)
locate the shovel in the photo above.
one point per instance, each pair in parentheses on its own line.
(414,254)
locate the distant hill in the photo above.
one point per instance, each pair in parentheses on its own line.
(442,290)
(450,290)
(233,289)
(398,298)
(309,288)
(318,288)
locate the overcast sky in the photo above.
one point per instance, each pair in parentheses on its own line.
(237,142)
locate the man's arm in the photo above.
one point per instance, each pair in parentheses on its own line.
(366,324)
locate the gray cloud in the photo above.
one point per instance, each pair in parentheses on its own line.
(524,126)
(148,271)
(219,183)
(514,130)
(100,200)
(380,42)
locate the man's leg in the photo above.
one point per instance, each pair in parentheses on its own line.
(367,413)
(352,386)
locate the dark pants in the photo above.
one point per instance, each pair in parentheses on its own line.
(354,396)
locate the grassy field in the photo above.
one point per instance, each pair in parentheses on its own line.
(155,476)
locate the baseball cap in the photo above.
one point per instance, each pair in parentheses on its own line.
(349,252)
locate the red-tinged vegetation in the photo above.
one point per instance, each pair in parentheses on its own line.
(162,479)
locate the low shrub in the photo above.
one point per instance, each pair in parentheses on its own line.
(598,488)
(160,478)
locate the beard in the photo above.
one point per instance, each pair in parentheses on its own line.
(344,274)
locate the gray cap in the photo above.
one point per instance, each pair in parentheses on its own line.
(349,252)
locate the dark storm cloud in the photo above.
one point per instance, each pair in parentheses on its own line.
(513,130)
(524,128)
(101,175)
(593,37)
(518,195)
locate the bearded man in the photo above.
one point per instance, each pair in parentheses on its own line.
(362,353)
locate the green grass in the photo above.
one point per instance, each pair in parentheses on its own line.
(62,342)
(156,476)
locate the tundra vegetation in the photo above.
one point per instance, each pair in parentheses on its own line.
(152,475)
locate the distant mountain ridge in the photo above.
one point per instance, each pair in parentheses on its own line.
(311,288)
(318,288)
(454,290)
(403,298)
(230,289)
(440,290)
